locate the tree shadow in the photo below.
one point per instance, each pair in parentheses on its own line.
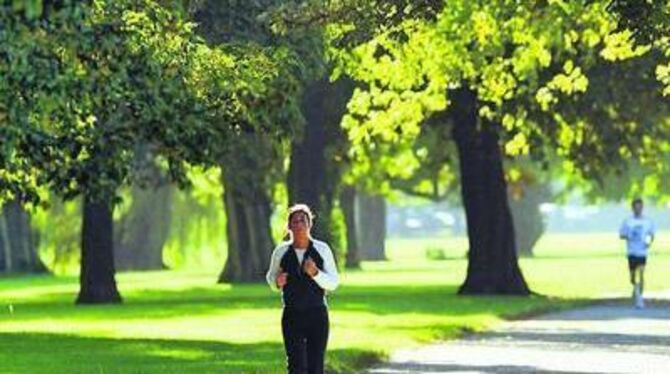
(57,353)
(573,256)
(150,304)
(575,337)
(54,353)
(442,368)
(615,309)
(440,300)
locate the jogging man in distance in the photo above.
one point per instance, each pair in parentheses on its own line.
(638,231)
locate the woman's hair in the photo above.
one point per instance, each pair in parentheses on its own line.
(301,208)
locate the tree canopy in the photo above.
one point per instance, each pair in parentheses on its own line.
(527,63)
(93,81)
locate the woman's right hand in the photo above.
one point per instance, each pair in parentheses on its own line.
(281,279)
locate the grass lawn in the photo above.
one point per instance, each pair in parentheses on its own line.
(180,322)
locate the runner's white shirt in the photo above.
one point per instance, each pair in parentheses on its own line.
(638,231)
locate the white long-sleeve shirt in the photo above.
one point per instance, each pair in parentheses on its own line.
(327,278)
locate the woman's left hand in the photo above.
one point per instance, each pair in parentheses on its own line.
(310,267)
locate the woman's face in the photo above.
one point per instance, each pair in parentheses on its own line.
(299,224)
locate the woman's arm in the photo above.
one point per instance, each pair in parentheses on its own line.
(327,278)
(274,269)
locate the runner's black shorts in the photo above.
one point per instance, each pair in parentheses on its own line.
(636,261)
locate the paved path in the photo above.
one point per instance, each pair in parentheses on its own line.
(612,338)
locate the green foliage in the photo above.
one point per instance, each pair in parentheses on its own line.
(435,254)
(338,232)
(298,58)
(633,146)
(663,74)
(649,22)
(539,73)
(238,23)
(31,9)
(429,169)
(649,19)
(363,18)
(496,48)
(197,232)
(58,226)
(95,81)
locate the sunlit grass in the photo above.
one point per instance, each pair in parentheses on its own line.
(183,322)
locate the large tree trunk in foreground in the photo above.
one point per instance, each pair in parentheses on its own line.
(371,218)
(248,212)
(492,260)
(18,247)
(96,279)
(348,205)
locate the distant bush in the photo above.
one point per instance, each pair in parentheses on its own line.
(435,254)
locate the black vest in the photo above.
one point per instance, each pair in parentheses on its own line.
(301,291)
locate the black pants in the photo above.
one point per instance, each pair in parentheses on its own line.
(305,338)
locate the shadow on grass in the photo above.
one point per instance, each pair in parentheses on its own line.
(379,300)
(54,353)
(151,304)
(573,256)
(437,300)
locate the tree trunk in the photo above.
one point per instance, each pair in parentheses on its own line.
(97,282)
(492,260)
(314,173)
(248,213)
(7,263)
(141,234)
(529,223)
(307,178)
(18,249)
(348,204)
(371,218)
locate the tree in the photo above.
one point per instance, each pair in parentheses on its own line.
(371,226)
(113,75)
(317,157)
(18,240)
(347,199)
(649,20)
(315,141)
(141,233)
(493,71)
(247,177)
(322,154)
(528,187)
(365,18)
(252,163)
(492,256)
(650,24)
(196,236)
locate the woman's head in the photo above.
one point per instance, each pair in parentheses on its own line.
(300,220)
